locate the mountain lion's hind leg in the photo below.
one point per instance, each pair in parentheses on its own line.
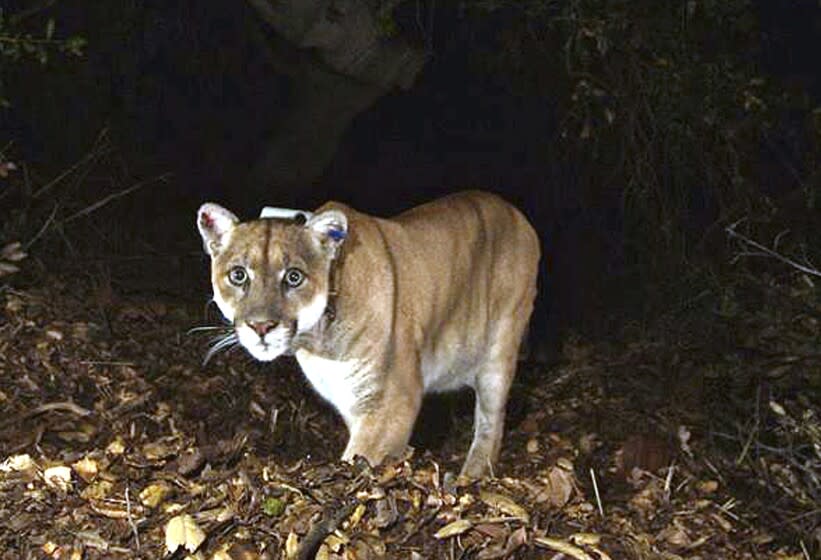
(489,420)
(492,386)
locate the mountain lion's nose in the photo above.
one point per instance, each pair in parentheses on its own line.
(262,327)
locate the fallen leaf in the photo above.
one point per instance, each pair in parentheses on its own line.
(154,494)
(563,547)
(113,512)
(559,486)
(588,443)
(504,504)
(516,540)
(725,525)
(58,477)
(97,490)
(335,541)
(590,539)
(17,463)
(357,514)
(13,252)
(291,545)
(323,553)
(646,500)
(222,554)
(54,334)
(190,461)
(116,447)
(492,530)
(777,408)
(51,549)
(454,528)
(237,551)
(160,449)
(183,530)
(86,469)
(675,536)
(8,268)
(386,513)
(92,539)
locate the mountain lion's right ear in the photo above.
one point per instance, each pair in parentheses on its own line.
(331,229)
(214,222)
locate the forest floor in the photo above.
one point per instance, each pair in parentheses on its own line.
(696,438)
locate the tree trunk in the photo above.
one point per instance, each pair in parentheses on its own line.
(340,63)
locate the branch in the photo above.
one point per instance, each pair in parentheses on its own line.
(330,521)
(762,251)
(14,40)
(113,196)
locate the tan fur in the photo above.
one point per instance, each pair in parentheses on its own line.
(434,299)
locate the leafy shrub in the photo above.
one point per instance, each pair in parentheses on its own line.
(664,111)
(20,44)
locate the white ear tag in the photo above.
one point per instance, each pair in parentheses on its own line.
(284,213)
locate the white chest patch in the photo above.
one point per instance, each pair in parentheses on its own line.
(343,383)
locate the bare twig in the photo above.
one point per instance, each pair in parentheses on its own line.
(66,406)
(131,518)
(43,228)
(668,481)
(420,525)
(330,521)
(804,550)
(754,431)
(113,196)
(596,491)
(272,422)
(761,250)
(100,148)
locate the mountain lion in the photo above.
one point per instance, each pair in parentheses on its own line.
(380,311)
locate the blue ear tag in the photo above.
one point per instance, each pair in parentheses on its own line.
(337,234)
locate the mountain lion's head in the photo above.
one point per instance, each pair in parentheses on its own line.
(271,276)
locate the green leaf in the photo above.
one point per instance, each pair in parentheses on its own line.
(75,45)
(273,507)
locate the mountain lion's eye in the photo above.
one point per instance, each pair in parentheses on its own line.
(293,277)
(237,276)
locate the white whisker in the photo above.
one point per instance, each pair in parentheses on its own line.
(220,343)
(193,330)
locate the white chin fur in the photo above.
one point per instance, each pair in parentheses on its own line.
(312,313)
(267,349)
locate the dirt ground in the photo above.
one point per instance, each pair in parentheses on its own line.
(699,439)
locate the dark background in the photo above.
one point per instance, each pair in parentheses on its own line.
(180,87)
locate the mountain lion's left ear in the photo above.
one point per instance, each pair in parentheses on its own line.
(214,222)
(330,226)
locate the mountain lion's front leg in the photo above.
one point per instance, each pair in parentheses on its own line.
(384,431)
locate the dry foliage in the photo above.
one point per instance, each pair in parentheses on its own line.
(115,443)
